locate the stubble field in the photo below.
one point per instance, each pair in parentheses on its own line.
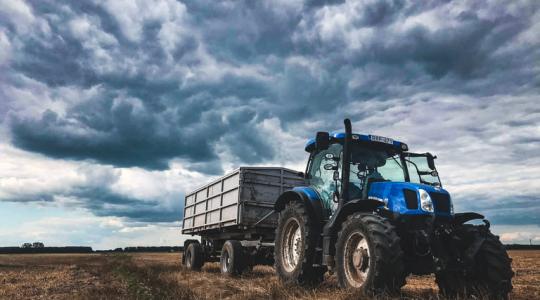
(161,276)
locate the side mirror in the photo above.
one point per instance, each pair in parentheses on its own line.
(330,167)
(322,140)
(336,175)
(430,161)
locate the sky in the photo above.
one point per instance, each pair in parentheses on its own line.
(110,111)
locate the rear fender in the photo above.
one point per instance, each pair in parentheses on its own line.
(311,201)
(334,225)
(359,205)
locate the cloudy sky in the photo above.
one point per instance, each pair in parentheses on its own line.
(111,110)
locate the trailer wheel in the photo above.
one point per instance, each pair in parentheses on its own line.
(491,278)
(232,261)
(368,255)
(294,251)
(194,257)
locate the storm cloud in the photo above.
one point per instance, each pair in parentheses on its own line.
(147,84)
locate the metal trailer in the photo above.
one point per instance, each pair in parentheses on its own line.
(234,215)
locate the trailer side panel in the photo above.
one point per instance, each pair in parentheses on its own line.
(237,200)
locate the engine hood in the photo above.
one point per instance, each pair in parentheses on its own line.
(393,195)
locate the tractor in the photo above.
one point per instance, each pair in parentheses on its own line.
(373,213)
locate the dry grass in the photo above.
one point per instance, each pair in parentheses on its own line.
(160,276)
(56,276)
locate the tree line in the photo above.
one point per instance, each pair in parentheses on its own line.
(39,247)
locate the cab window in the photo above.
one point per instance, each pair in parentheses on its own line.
(322,180)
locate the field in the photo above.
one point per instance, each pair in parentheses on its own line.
(160,276)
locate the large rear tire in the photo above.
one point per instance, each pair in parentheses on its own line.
(232,261)
(491,277)
(295,246)
(194,257)
(368,255)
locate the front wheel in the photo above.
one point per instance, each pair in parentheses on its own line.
(368,255)
(491,275)
(294,251)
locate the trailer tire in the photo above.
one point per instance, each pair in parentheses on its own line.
(194,257)
(232,261)
(491,278)
(295,244)
(368,255)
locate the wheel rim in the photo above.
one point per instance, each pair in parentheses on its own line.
(188,259)
(292,244)
(357,260)
(226,261)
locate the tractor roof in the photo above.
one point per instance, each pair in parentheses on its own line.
(338,137)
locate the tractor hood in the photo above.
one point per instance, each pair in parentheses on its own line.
(411,199)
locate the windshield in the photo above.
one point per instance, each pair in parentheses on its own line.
(368,166)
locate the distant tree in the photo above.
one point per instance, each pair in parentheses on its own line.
(26,245)
(38,245)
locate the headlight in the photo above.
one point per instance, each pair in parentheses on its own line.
(425,201)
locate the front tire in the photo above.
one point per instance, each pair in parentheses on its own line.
(491,276)
(368,255)
(294,251)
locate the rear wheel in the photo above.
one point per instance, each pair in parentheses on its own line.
(194,257)
(294,251)
(232,260)
(368,255)
(491,276)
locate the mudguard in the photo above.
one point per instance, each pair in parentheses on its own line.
(305,195)
(334,224)
(357,205)
(460,218)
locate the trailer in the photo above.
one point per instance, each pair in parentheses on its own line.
(235,218)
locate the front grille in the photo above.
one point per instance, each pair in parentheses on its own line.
(411,198)
(441,202)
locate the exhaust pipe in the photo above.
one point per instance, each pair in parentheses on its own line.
(346,168)
(329,229)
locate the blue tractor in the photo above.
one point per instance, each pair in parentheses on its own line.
(373,213)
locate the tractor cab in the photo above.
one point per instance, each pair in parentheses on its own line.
(373,159)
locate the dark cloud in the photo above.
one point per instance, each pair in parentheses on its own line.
(504,210)
(93,190)
(290,72)
(516,217)
(318,3)
(105,203)
(125,132)
(380,12)
(195,80)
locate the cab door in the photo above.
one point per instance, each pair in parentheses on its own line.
(321,179)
